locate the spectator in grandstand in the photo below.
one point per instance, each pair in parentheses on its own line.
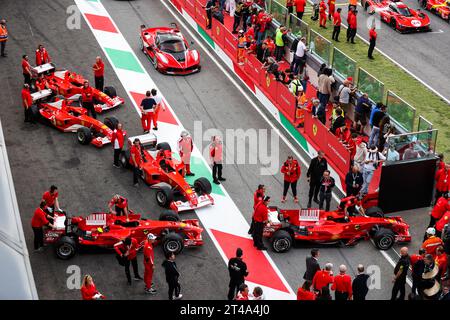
(237,16)
(210,5)
(304,77)
(371,163)
(392,154)
(230,7)
(324,86)
(359,284)
(410,153)
(271,66)
(218,14)
(353,181)
(360,154)
(326,187)
(339,122)
(280,41)
(299,49)
(376,119)
(386,130)
(362,110)
(263,19)
(262,52)
(345,92)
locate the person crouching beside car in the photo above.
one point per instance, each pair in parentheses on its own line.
(120,206)
(39,220)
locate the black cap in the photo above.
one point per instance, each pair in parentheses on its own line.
(266,198)
(239,252)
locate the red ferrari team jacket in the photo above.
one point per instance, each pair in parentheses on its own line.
(257,198)
(149,255)
(261,213)
(343,283)
(137,155)
(302,294)
(25,66)
(443,180)
(441,260)
(42,57)
(120,203)
(443,221)
(39,219)
(101,69)
(26,97)
(337,19)
(88,292)
(322,8)
(321,279)
(121,249)
(300,5)
(291,171)
(118,134)
(49,198)
(440,208)
(87,94)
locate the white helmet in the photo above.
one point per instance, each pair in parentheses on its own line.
(184,133)
(151,236)
(431,231)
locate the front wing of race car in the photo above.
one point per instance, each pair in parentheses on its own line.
(116,101)
(203,201)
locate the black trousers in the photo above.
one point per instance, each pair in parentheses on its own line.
(342,296)
(99,83)
(399,286)
(438,194)
(174,286)
(2,47)
(415,284)
(314,187)
(279,53)
(116,156)
(208,26)
(351,33)
(234,287)
(252,225)
(293,186)
(336,31)
(89,106)
(127,268)
(28,115)
(27,79)
(237,22)
(300,15)
(327,197)
(136,174)
(371,47)
(258,229)
(38,238)
(217,171)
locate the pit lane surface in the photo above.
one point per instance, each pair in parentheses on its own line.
(41,156)
(423,53)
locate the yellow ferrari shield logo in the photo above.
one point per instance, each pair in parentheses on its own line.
(217,30)
(268,81)
(314,129)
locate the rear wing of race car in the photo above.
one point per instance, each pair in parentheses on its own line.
(148,140)
(43,69)
(39,95)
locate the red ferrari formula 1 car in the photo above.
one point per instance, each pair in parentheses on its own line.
(319,226)
(66,115)
(68,83)
(398,15)
(163,172)
(103,230)
(169,51)
(439,7)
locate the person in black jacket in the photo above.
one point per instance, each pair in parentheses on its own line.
(353,181)
(172,275)
(312,265)
(418,266)
(238,271)
(339,122)
(400,273)
(359,284)
(326,187)
(315,172)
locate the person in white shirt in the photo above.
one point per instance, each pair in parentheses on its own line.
(392,154)
(159,104)
(258,294)
(373,160)
(299,59)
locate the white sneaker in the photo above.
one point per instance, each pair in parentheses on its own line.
(180,296)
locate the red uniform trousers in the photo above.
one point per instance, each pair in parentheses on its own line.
(147,119)
(148,275)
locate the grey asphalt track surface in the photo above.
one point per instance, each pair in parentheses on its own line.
(41,156)
(424,54)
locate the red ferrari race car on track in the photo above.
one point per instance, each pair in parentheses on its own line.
(103,230)
(319,226)
(439,7)
(67,115)
(169,51)
(163,172)
(68,83)
(398,15)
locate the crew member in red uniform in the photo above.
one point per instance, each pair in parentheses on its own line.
(41,83)
(243,292)
(51,198)
(258,196)
(336,24)
(185,147)
(99,73)
(352,25)
(322,14)
(323,277)
(136,160)
(27,102)
(304,292)
(127,252)
(300,8)
(42,56)
(117,140)
(291,171)
(88,289)
(260,217)
(87,98)
(440,224)
(432,242)
(120,205)
(372,41)
(147,106)
(442,205)
(441,260)
(39,220)
(442,181)
(331,8)
(26,70)
(342,285)
(149,263)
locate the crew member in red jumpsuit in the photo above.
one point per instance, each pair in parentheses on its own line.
(291,171)
(149,263)
(261,217)
(42,56)
(87,98)
(88,289)
(440,224)
(331,8)
(120,205)
(258,196)
(442,181)
(322,14)
(51,198)
(439,209)
(39,220)
(127,252)
(185,147)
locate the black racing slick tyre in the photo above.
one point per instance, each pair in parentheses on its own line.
(164,197)
(384,239)
(110,91)
(202,186)
(281,241)
(169,216)
(375,212)
(163,146)
(66,248)
(84,135)
(124,159)
(172,242)
(111,122)
(35,112)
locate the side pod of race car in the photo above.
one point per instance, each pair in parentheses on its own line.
(103,230)
(163,172)
(438,7)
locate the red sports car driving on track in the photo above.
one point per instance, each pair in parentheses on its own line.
(398,15)
(103,230)
(439,7)
(169,51)
(68,83)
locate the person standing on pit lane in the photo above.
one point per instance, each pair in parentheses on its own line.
(185,147)
(242,293)
(3,37)
(159,105)
(359,284)
(312,265)
(149,264)
(304,293)
(99,73)
(42,56)
(291,173)
(323,278)
(27,102)
(315,172)
(88,289)
(442,179)
(326,187)
(87,98)
(442,205)
(431,242)
(237,269)
(172,276)
(26,70)
(117,140)
(258,196)
(127,253)
(216,158)
(342,285)
(417,268)
(261,218)
(136,160)
(148,105)
(400,273)
(39,220)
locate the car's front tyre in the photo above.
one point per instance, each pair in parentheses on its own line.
(281,241)
(66,248)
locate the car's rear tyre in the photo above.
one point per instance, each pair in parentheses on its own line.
(124,159)
(35,114)
(164,197)
(110,91)
(66,248)
(384,239)
(84,135)
(169,216)
(281,241)
(163,146)
(172,242)
(375,212)
(202,186)
(111,122)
